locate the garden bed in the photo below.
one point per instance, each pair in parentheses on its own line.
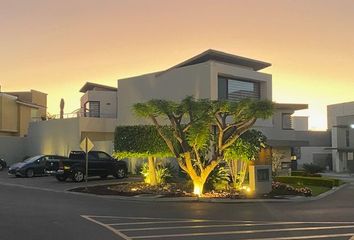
(162,191)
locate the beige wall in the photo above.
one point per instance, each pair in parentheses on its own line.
(12,149)
(8,115)
(60,136)
(24,113)
(199,80)
(107,99)
(40,99)
(57,136)
(35,97)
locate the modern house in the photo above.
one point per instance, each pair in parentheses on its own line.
(341,124)
(96,119)
(211,74)
(18,109)
(98,101)
(218,75)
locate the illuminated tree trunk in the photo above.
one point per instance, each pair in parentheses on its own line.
(198,180)
(243,172)
(152,171)
(238,170)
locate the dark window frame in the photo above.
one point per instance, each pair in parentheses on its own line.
(282,121)
(88,111)
(263,175)
(227,79)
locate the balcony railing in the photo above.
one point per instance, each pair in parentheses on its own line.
(74,114)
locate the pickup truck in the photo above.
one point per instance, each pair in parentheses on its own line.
(99,164)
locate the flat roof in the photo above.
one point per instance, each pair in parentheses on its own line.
(90,86)
(28,104)
(292,106)
(219,56)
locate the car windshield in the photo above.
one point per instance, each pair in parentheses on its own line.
(32,159)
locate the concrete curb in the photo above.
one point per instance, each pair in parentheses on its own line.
(183,199)
(213,200)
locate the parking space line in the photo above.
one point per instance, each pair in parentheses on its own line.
(245,228)
(117,232)
(242,232)
(307,237)
(207,226)
(154,222)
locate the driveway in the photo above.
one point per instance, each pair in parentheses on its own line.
(51,183)
(28,212)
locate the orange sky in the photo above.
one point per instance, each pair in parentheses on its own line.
(56,46)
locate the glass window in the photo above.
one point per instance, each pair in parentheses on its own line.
(347,142)
(286,121)
(93,156)
(262,175)
(92,109)
(236,89)
(102,155)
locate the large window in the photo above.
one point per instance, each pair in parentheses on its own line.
(286,121)
(237,89)
(92,109)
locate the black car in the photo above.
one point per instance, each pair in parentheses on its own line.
(99,164)
(2,164)
(35,166)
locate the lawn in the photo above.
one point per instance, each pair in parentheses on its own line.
(317,190)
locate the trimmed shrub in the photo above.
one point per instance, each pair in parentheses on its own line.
(312,168)
(304,174)
(314,181)
(279,188)
(140,141)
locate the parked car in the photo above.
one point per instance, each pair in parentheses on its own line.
(2,164)
(99,164)
(34,166)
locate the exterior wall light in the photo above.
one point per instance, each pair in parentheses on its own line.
(351,125)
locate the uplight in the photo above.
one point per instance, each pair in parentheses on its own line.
(197,190)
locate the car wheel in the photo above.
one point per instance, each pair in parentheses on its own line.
(61,178)
(29,173)
(121,173)
(78,176)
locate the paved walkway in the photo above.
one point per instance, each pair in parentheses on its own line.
(342,176)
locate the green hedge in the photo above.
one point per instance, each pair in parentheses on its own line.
(307,181)
(140,141)
(304,174)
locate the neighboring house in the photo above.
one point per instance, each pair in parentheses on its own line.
(341,124)
(218,75)
(96,119)
(18,109)
(98,101)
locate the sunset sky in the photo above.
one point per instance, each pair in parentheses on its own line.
(56,46)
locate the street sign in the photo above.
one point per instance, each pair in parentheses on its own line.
(86,145)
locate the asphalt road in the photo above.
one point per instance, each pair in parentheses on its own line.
(41,212)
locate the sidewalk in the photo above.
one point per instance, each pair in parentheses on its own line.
(342,176)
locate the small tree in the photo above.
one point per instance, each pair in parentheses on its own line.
(141,142)
(239,155)
(203,130)
(277,158)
